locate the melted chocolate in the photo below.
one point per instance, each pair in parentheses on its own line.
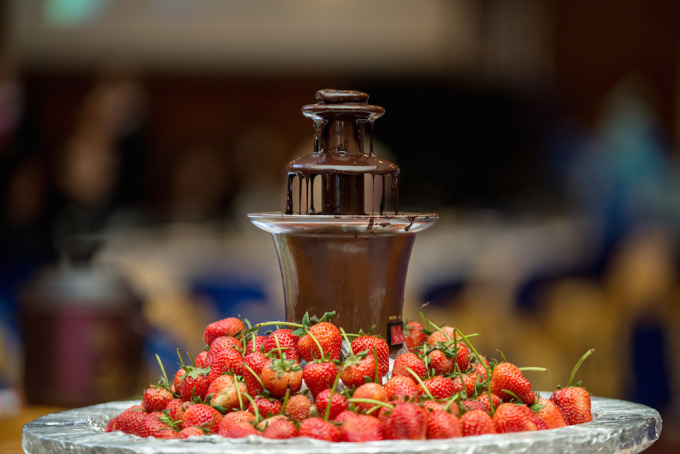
(339,118)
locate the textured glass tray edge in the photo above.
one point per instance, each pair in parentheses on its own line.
(618,426)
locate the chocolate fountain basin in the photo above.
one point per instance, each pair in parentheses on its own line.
(354,265)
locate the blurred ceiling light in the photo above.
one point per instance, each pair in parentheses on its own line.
(70,13)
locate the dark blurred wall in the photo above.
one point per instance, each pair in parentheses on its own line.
(599,43)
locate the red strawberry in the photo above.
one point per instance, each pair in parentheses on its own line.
(157,425)
(462,355)
(540,424)
(574,402)
(401,388)
(344,416)
(203,416)
(282,341)
(194,383)
(357,370)
(507,376)
(262,425)
(156,399)
(495,400)
(438,363)
(265,407)
(550,413)
(511,417)
(370,344)
(200,359)
(251,374)
(298,407)
(226,392)
(129,421)
(327,336)
(438,387)
(223,342)
(280,429)
(319,375)
(281,375)
(469,404)
(415,337)
(468,384)
(230,326)
(237,416)
(361,429)
(192,431)
(237,424)
(255,344)
(432,405)
(476,422)
(176,407)
(319,429)
(178,379)
(223,360)
(408,361)
(443,336)
(238,429)
(371,391)
(407,421)
(442,424)
(334,405)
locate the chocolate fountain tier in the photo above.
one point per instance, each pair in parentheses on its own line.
(354,265)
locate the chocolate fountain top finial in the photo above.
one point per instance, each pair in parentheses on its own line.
(334,103)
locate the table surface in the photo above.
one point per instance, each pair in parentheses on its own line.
(11,426)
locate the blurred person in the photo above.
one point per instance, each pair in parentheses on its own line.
(99,171)
(623,175)
(641,282)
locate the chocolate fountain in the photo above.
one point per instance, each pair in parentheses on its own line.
(336,253)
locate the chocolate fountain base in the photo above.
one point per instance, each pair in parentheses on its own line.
(618,426)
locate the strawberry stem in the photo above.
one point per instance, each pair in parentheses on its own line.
(285,400)
(440,330)
(377,403)
(166,383)
(294,325)
(420,382)
(257,377)
(474,351)
(533,369)
(454,398)
(316,341)
(513,395)
(349,344)
(327,412)
(257,411)
(578,364)
(238,393)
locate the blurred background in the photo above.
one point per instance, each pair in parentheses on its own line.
(135,135)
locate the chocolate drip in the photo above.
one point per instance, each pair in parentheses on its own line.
(340,118)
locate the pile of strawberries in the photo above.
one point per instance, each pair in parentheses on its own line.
(245,383)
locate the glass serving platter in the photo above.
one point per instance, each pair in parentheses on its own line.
(617,427)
